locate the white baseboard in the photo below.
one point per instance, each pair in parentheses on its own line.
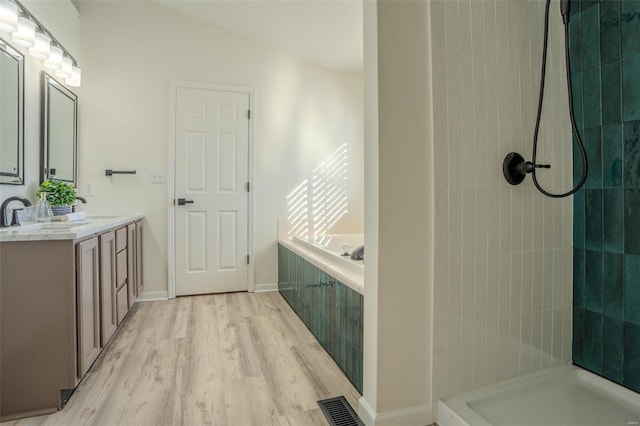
(152,296)
(447,417)
(262,288)
(419,415)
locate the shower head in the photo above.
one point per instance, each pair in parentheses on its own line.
(565,9)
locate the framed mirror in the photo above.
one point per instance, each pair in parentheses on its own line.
(59,131)
(11,115)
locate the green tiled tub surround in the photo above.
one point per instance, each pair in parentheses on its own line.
(605,52)
(332,311)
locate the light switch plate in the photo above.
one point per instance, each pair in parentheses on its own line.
(157,177)
(89,189)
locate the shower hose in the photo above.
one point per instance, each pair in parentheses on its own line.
(564,6)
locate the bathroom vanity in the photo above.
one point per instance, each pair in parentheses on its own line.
(65,287)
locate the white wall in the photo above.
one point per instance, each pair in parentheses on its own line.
(131,52)
(62,19)
(503,271)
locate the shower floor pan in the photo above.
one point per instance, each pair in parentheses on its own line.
(564,396)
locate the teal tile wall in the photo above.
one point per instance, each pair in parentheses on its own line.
(605,57)
(332,311)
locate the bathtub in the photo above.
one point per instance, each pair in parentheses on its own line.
(566,396)
(325,252)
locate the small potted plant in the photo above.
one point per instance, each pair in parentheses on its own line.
(60,195)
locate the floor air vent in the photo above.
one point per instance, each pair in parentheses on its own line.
(339,412)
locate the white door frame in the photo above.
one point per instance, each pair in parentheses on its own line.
(174,85)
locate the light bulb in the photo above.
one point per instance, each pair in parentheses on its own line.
(76,77)
(41,48)
(54,62)
(65,71)
(26,33)
(8,16)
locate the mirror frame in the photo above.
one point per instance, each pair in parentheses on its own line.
(17,178)
(49,83)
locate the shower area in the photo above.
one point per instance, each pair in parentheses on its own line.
(525,283)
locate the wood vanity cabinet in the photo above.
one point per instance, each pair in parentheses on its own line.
(60,303)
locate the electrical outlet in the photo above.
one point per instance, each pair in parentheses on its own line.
(157,177)
(89,189)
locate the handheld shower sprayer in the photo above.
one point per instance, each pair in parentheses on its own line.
(514,166)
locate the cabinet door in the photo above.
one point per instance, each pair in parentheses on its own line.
(108,315)
(139,252)
(88,304)
(132,281)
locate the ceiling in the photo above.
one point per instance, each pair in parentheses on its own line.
(327,32)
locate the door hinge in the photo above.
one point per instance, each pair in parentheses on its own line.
(249,114)
(247,259)
(248,186)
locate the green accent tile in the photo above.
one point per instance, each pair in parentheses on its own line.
(593,280)
(612,348)
(632,221)
(613,284)
(578,277)
(575,46)
(630,25)
(631,87)
(632,154)
(609,30)
(590,36)
(612,155)
(632,289)
(591,96)
(592,139)
(585,4)
(578,219)
(577,345)
(593,219)
(578,110)
(613,212)
(593,341)
(631,356)
(611,96)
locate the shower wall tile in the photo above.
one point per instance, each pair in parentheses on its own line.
(593,283)
(593,341)
(612,143)
(578,110)
(593,219)
(590,36)
(611,92)
(631,86)
(632,221)
(631,355)
(575,29)
(613,206)
(630,26)
(611,218)
(632,154)
(609,30)
(632,289)
(503,278)
(591,100)
(612,346)
(592,138)
(612,295)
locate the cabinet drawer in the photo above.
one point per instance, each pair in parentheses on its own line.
(121,268)
(123,306)
(121,239)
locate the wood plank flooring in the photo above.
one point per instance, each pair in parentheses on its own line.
(228,359)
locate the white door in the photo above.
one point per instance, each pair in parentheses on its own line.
(211,176)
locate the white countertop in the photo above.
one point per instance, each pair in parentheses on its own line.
(93,224)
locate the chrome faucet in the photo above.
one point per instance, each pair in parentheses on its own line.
(5,204)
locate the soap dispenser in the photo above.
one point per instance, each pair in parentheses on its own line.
(43,209)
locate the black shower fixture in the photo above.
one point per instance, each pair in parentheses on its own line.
(514,167)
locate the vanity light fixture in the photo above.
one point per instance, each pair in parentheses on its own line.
(8,16)
(41,48)
(28,31)
(25,35)
(65,70)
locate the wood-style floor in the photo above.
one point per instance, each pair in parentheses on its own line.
(228,359)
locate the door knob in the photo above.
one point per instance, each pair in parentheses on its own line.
(182,201)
